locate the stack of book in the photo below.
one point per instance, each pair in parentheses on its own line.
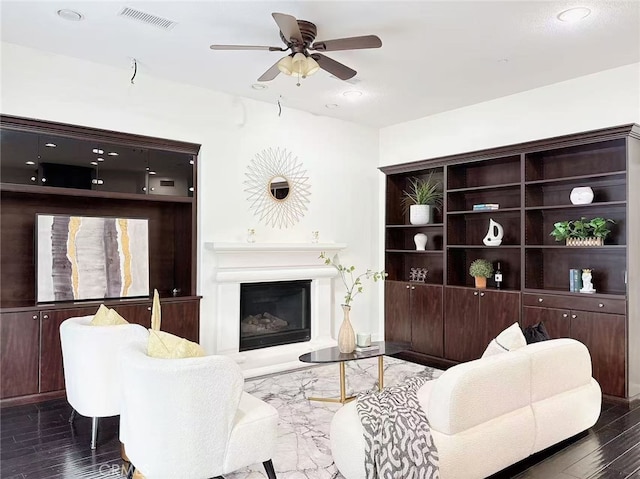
(364,349)
(575,280)
(486,207)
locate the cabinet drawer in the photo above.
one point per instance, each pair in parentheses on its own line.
(600,305)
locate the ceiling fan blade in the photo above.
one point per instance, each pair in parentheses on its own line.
(351,43)
(335,68)
(288,25)
(271,73)
(246,47)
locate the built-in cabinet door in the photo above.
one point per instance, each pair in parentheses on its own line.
(136,313)
(427,334)
(397,322)
(19,350)
(604,336)
(181,318)
(557,322)
(51,370)
(461,327)
(498,311)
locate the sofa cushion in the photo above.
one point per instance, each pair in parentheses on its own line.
(169,346)
(508,340)
(536,333)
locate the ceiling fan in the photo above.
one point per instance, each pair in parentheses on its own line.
(299,36)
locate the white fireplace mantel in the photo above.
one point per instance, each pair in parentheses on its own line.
(237,263)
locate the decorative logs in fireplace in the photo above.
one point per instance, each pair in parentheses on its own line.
(262,324)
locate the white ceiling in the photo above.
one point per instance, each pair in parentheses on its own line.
(436,56)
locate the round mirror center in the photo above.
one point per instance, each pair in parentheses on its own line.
(279,187)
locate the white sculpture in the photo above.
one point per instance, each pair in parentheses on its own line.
(587,286)
(494,235)
(421,241)
(581,195)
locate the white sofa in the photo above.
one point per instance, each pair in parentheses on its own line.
(492,412)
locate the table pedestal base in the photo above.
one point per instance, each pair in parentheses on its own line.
(343,389)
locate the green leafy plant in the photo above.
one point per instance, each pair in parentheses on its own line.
(481,267)
(582,228)
(352,283)
(422,191)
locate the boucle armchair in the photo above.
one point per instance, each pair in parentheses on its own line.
(91,369)
(189,417)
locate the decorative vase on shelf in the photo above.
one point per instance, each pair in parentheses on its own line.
(346,335)
(581,195)
(420,240)
(419,214)
(494,235)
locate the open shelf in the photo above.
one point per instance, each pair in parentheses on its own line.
(485,187)
(579,178)
(469,212)
(414,251)
(589,205)
(462,246)
(429,225)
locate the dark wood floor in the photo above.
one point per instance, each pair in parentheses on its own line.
(38,442)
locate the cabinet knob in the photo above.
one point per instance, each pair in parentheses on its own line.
(600,305)
(45,316)
(540,300)
(35,316)
(149,307)
(574,316)
(413,287)
(481,294)
(565,315)
(475,293)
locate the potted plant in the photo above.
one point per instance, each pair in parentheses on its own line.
(421,197)
(582,232)
(481,269)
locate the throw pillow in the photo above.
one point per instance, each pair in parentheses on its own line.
(169,346)
(508,340)
(107,317)
(536,333)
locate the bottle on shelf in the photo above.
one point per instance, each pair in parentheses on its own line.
(497,277)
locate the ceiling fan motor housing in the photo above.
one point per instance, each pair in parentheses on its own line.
(308,31)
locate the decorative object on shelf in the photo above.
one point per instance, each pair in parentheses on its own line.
(481,269)
(497,277)
(420,240)
(353,285)
(422,197)
(278,187)
(418,274)
(486,207)
(363,340)
(251,235)
(587,286)
(575,280)
(581,195)
(315,236)
(494,235)
(582,232)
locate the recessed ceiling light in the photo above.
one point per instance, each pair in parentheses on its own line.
(331,105)
(112,153)
(50,145)
(259,86)
(70,15)
(574,14)
(352,94)
(29,163)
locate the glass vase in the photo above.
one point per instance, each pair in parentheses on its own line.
(346,336)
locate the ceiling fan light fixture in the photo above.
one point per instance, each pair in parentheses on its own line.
(299,62)
(285,65)
(311,67)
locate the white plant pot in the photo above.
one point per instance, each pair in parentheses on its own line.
(419,214)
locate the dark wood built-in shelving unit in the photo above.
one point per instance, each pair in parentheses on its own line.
(532,183)
(130,186)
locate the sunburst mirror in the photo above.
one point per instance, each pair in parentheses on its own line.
(278,187)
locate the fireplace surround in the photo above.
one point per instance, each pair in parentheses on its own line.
(243,263)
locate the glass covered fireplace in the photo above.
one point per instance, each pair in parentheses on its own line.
(274,313)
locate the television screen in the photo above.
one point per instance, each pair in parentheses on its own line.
(84,257)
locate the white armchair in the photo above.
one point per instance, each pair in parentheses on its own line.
(190,417)
(91,368)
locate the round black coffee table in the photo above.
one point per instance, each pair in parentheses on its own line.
(333,355)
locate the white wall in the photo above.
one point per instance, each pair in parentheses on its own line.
(607,98)
(340,157)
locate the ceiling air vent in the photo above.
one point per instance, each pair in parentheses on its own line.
(147,18)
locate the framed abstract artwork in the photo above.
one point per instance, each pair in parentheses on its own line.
(85,257)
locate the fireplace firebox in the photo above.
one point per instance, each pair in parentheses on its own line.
(274,313)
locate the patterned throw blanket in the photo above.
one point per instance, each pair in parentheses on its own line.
(397,434)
